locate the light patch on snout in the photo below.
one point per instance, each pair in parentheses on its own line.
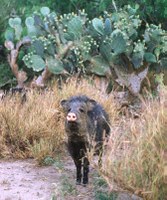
(71,117)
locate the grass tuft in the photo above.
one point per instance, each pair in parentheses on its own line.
(33,129)
(135,159)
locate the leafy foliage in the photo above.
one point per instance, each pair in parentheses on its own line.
(72,43)
(6,77)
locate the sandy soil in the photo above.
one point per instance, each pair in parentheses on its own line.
(24,180)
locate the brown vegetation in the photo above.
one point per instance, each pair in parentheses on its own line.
(136,151)
(136,156)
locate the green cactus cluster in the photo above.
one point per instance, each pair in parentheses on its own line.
(122,33)
(34,61)
(86,47)
(15,23)
(97,44)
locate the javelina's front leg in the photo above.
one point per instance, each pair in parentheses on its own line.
(85,170)
(75,152)
(78,165)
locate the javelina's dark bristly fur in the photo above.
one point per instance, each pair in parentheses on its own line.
(86,120)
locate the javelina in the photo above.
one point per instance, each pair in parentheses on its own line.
(85,120)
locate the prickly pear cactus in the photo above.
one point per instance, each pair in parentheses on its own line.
(98,26)
(71,43)
(45,11)
(100,66)
(125,49)
(34,61)
(74,29)
(55,66)
(55,41)
(15,23)
(31,29)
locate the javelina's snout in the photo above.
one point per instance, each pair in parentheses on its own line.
(71,117)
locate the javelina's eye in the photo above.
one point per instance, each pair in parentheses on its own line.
(81,110)
(69,110)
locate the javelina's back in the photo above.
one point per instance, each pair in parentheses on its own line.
(100,119)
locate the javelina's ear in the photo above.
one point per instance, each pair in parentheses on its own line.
(63,103)
(91,103)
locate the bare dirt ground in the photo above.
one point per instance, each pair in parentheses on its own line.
(25,180)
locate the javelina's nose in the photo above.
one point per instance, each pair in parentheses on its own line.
(71,117)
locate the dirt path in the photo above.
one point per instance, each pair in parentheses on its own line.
(25,180)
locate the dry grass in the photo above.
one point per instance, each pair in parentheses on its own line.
(137,151)
(33,129)
(135,157)
(36,128)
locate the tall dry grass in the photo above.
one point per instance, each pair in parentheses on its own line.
(136,151)
(136,158)
(36,127)
(32,129)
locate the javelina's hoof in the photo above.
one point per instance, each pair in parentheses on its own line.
(84,184)
(78,182)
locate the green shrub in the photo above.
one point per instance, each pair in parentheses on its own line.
(118,44)
(6,76)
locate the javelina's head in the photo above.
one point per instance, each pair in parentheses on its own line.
(76,109)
